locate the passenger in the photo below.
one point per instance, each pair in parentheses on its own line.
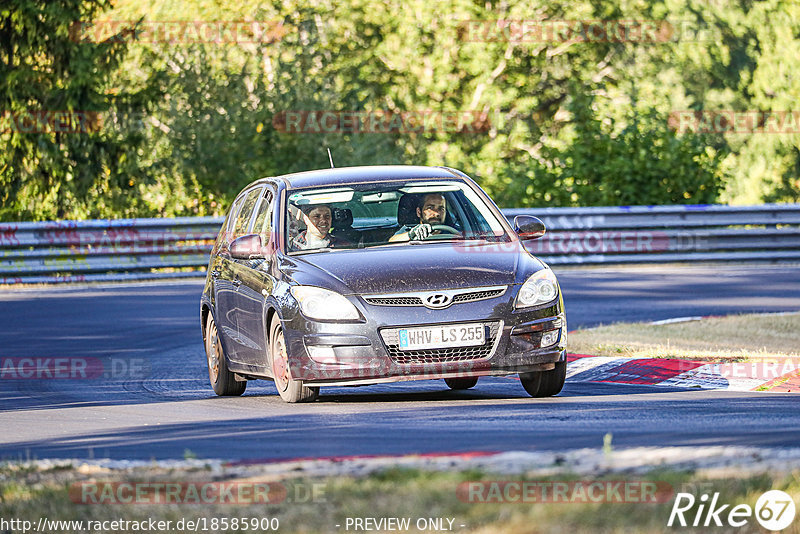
(318,219)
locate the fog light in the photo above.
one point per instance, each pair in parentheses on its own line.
(321,354)
(550,338)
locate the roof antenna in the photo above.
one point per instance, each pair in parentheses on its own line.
(330,158)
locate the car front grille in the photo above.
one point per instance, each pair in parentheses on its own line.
(477,295)
(457,296)
(444,355)
(394,301)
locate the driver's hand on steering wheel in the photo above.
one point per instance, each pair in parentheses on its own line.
(420,231)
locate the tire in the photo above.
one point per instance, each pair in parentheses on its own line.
(545,383)
(461,383)
(553,380)
(222,379)
(531,382)
(290,390)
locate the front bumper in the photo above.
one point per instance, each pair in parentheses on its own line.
(325,353)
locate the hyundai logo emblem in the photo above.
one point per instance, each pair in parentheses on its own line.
(438,300)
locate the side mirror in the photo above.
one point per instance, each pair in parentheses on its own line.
(247,247)
(528,227)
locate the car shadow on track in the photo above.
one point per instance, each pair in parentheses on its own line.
(487,389)
(42,395)
(323,429)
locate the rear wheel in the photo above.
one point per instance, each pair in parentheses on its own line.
(289,389)
(545,383)
(461,383)
(222,380)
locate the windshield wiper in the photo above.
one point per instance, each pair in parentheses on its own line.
(487,239)
(310,251)
(378,245)
(421,241)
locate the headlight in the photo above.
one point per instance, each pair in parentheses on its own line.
(318,303)
(540,288)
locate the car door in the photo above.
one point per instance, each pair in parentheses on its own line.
(224,290)
(256,285)
(228,294)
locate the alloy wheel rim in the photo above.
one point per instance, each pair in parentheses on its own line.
(212,353)
(280,363)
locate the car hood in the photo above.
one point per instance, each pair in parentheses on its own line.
(403,268)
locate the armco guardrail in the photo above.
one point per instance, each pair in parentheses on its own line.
(74,251)
(646,234)
(68,251)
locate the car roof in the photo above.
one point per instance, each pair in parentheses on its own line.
(372,173)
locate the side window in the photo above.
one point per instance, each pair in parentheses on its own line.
(227,228)
(294,222)
(243,218)
(263,224)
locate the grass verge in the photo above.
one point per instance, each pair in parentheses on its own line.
(320,504)
(721,339)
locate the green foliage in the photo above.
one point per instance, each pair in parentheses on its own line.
(47,173)
(567,123)
(646,162)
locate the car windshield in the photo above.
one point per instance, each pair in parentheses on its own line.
(383,214)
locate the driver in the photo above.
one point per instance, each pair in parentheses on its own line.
(431,211)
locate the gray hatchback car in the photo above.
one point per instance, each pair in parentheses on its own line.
(363,275)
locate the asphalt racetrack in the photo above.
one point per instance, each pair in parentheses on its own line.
(157,403)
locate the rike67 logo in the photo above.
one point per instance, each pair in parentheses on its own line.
(774,510)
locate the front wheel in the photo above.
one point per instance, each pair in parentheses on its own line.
(531,382)
(545,383)
(222,379)
(461,383)
(289,389)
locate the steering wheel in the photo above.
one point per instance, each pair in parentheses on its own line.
(444,228)
(449,231)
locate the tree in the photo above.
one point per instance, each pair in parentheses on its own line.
(646,162)
(56,157)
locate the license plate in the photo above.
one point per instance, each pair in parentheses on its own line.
(439,337)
